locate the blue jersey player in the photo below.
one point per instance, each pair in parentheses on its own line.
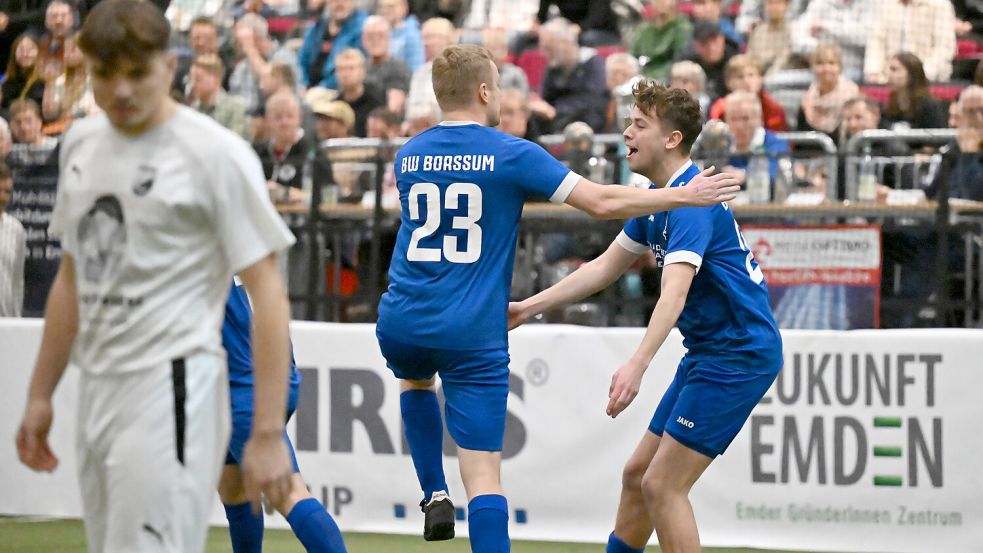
(714,291)
(462,186)
(310,522)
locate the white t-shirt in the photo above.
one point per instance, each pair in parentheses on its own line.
(157,224)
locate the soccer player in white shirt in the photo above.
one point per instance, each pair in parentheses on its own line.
(157,207)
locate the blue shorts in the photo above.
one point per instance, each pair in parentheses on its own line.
(242,422)
(475,385)
(707,403)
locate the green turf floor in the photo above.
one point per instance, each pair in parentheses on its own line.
(67,536)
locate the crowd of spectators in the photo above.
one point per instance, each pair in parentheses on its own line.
(288,74)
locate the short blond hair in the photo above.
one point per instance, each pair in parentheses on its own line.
(740,98)
(457,71)
(738,64)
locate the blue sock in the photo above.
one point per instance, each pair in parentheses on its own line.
(615,545)
(425,435)
(488,524)
(245,528)
(315,528)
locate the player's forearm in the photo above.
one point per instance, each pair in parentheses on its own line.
(60,328)
(271,359)
(623,202)
(664,317)
(271,344)
(586,281)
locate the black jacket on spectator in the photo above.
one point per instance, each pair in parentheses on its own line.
(929,114)
(288,167)
(580,95)
(961,172)
(716,88)
(590,15)
(373,97)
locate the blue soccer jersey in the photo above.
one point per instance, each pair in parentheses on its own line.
(727,316)
(236,332)
(461,188)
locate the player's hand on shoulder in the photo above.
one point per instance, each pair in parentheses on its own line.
(625,383)
(709,189)
(266,470)
(32,437)
(517,314)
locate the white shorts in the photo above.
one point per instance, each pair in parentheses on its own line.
(150,448)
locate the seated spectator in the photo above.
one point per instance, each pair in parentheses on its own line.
(514,16)
(438,33)
(911,105)
(620,69)
(383,124)
(574,86)
(287,151)
(770,44)
(690,77)
(662,39)
(208,97)
(33,162)
(59,20)
(338,29)
(978,78)
(961,172)
(22,78)
(861,113)
(926,28)
(743,116)
(204,41)
(751,13)
(514,114)
(407,42)
(711,51)
(259,50)
(711,11)
(31,146)
(822,105)
(69,96)
(12,252)
(845,23)
(385,72)
(361,96)
(595,18)
(510,76)
(332,119)
(420,117)
(742,74)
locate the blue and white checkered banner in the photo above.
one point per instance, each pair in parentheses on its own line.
(868,441)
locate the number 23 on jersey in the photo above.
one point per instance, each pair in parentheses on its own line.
(452,200)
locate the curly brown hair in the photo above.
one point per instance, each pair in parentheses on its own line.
(675,108)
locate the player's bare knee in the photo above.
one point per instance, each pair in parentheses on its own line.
(657,486)
(631,476)
(230,489)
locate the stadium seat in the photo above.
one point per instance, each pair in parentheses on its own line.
(969,49)
(533,63)
(947,92)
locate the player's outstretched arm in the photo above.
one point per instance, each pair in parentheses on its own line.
(587,280)
(60,327)
(626,381)
(266,464)
(623,202)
